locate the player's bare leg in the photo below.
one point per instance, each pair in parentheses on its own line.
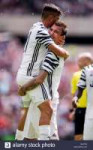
(46,113)
(19,132)
(23,118)
(45,118)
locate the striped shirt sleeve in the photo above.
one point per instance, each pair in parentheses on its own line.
(44,38)
(50,62)
(82,81)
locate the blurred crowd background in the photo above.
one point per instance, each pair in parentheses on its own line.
(11,48)
(75,7)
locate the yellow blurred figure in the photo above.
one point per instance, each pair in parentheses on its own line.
(82,102)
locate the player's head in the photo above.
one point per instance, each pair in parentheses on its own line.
(50,14)
(84,59)
(58,32)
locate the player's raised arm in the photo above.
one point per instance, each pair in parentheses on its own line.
(58,51)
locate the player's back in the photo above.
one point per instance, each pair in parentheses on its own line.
(28,50)
(34,50)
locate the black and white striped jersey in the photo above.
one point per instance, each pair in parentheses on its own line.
(35,49)
(50,62)
(54,66)
(86,80)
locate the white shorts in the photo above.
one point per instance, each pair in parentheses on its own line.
(39,94)
(88,129)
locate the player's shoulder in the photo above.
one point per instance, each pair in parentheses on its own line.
(40,25)
(37,26)
(89,67)
(41,29)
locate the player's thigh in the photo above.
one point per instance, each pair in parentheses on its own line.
(25,101)
(22,79)
(38,96)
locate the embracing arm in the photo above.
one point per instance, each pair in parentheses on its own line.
(58,51)
(45,39)
(33,83)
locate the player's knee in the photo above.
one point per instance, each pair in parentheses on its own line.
(46,108)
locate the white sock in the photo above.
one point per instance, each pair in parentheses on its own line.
(44,132)
(19,135)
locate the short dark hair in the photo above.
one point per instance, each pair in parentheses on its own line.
(50,9)
(62,25)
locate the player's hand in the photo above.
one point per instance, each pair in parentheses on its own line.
(66,55)
(71,114)
(60,40)
(21,91)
